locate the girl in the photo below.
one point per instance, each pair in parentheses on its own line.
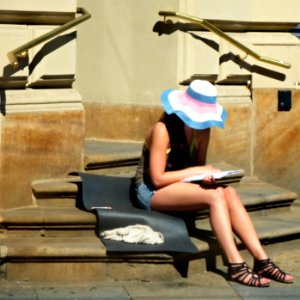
(176,148)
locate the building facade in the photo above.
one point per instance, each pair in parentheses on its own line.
(102,79)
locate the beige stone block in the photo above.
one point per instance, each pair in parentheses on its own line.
(275,10)
(149,271)
(220,10)
(120,59)
(37,5)
(281,46)
(12,36)
(276,152)
(233,144)
(196,266)
(246,10)
(122,122)
(198,54)
(57,271)
(38,140)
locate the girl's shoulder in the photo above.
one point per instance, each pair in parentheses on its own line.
(159,129)
(158,132)
(159,126)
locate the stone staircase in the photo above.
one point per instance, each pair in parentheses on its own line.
(55,240)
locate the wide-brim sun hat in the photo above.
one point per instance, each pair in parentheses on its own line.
(197,106)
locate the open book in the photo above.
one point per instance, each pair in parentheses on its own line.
(216,175)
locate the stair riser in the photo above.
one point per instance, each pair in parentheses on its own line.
(92,271)
(56,202)
(50,232)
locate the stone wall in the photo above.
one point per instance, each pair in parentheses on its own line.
(277,139)
(132,65)
(42,116)
(121,68)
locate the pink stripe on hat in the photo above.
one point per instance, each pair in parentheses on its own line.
(195,105)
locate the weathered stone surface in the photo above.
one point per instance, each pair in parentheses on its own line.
(119,122)
(277,144)
(36,5)
(46,217)
(233,143)
(100,152)
(42,136)
(57,271)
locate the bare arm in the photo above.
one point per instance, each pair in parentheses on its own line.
(159,143)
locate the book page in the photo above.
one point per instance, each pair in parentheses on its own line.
(216,175)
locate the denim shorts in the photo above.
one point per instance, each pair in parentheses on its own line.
(144,195)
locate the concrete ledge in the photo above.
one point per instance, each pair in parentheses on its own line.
(103,152)
(271,226)
(62,187)
(46,216)
(54,247)
(48,258)
(255,193)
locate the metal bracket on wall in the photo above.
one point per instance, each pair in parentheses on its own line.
(205,24)
(22,51)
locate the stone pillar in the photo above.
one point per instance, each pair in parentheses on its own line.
(42,116)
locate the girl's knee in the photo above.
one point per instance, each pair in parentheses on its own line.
(218,197)
(230,189)
(230,193)
(232,197)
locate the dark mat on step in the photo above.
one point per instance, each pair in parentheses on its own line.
(109,191)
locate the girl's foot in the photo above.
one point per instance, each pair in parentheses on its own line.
(241,273)
(268,269)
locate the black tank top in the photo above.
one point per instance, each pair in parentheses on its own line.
(178,157)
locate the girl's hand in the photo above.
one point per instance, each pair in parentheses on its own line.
(209,180)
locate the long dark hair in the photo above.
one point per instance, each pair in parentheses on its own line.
(179,155)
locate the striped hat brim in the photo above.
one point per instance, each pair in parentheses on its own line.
(194,113)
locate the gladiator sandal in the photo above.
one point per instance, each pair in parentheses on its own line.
(241,273)
(268,269)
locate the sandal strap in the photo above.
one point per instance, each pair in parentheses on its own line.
(267,268)
(240,272)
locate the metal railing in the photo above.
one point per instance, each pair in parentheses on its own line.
(226,37)
(22,51)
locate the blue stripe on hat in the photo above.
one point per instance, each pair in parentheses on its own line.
(165,101)
(202,125)
(201,97)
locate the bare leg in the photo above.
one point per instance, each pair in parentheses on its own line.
(242,224)
(189,197)
(244,228)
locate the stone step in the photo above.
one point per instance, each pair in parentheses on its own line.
(255,194)
(103,153)
(43,218)
(61,192)
(25,257)
(54,237)
(105,157)
(49,222)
